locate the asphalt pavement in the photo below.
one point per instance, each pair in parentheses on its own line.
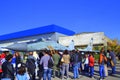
(96,74)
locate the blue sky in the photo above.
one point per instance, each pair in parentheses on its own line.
(77,15)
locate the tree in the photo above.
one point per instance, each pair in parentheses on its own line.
(114,45)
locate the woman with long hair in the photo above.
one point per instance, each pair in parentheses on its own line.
(65,63)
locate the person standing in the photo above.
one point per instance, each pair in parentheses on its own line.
(80,61)
(17,58)
(0,67)
(91,65)
(108,58)
(45,62)
(75,61)
(2,60)
(40,67)
(113,61)
(65,63)
(14,61)
(31,66)
(7,67)
(56,59)
(86,64)
(102,60)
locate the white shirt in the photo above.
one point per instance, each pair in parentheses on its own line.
(86,61)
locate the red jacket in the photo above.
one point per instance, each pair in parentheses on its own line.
(2,56)
(91,61)
(0,64)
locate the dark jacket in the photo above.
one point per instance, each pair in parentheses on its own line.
(8,70)
(31,64)
(18,60)
(75,58)
(113,57)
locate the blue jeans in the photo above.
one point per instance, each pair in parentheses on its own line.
(86,68)
(113,70)
(102,71)
(80,65)
(91,71)
(47,74)
(108,64)
(75,70)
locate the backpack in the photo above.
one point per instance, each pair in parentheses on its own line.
(31,63)
(50,63)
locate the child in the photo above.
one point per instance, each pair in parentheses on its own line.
(22,74)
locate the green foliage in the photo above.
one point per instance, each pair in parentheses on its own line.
(96,56)
(114,46)
(97,48)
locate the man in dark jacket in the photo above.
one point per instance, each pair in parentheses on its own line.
(75,61)
(7,67)
(113,61)
(31,65)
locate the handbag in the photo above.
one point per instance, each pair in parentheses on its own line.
(62,60)
(111,62)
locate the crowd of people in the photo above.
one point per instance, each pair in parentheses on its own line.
(55,64)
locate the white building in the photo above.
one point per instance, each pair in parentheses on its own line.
(83,39)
